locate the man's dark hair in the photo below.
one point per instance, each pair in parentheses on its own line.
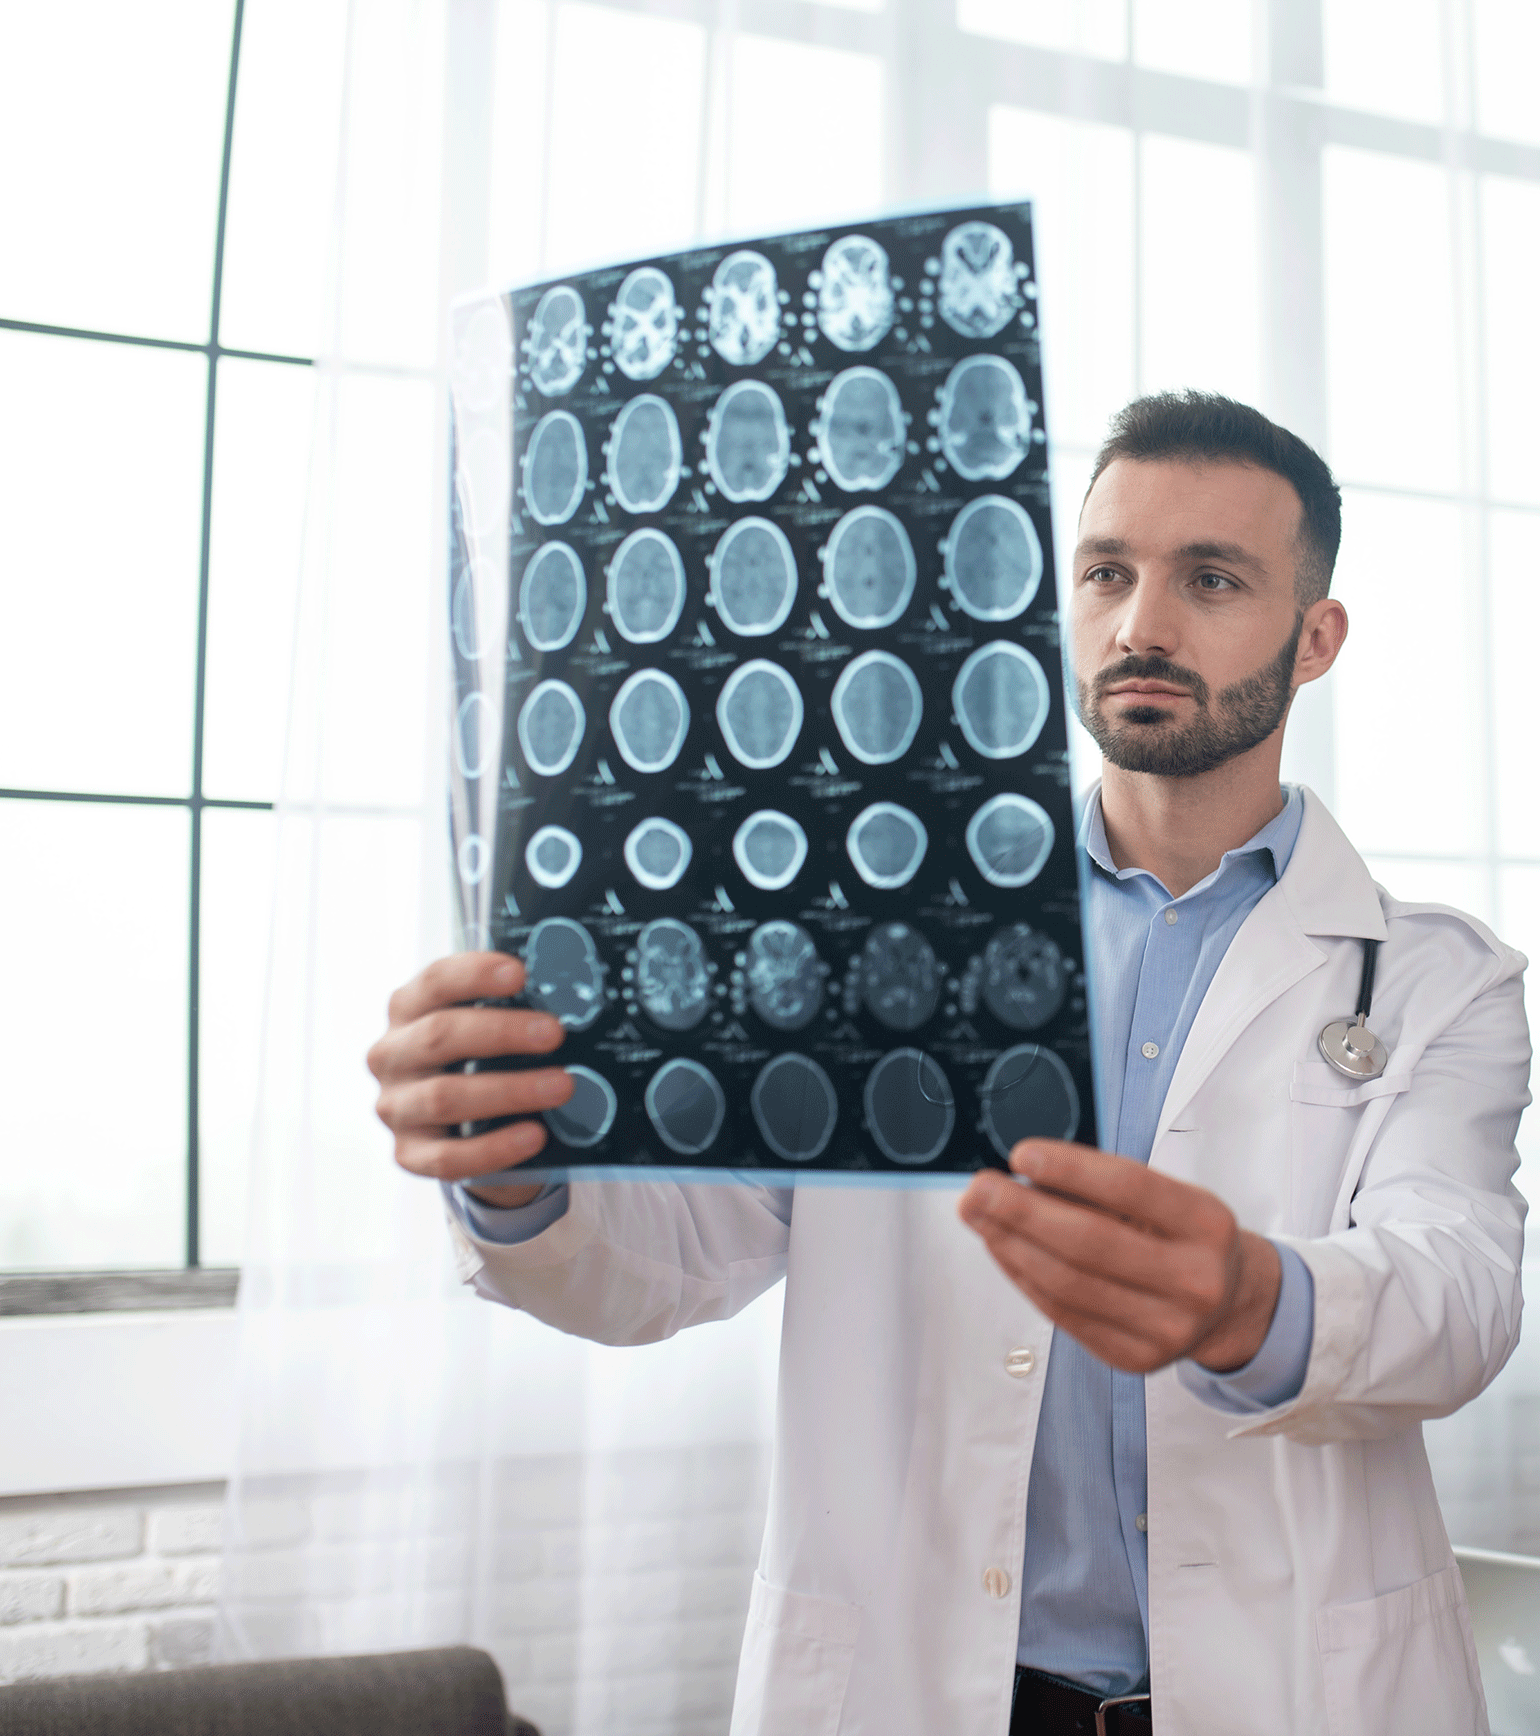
(1195,427)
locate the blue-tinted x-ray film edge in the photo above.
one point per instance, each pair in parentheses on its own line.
(797,872)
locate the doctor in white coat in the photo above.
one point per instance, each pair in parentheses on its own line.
(1141,1439)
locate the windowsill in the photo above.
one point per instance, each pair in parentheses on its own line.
(31,1293)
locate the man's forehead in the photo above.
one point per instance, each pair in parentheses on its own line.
(1203,511)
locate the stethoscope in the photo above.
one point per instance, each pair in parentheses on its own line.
(1348,1044)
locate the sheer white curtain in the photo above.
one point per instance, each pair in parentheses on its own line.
(1278,201)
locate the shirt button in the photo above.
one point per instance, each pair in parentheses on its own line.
(1170,919)
(997,1582)
(1142,1520)
(1150,1051)
(1020,1363)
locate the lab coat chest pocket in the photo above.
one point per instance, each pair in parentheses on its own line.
(797,1653)
(1332,1121)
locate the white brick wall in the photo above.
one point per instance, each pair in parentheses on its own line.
(108,1581)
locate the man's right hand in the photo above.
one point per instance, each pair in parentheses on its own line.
(432,1026)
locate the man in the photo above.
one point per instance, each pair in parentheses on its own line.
(1167,1439)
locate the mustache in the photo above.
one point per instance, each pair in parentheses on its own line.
(1135,668)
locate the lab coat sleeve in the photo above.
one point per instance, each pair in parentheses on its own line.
(1418,1300)
(634,1261)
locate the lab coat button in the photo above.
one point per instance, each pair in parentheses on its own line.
(1150,1051)
(1142,1520)
(1020,1363)
(997,1582)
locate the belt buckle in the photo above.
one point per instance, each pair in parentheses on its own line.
(1113,1704)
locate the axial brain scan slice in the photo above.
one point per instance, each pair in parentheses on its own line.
(553,595)
(900,978)
(649,720)
(886,844)
(1029,1094)
(673,975)
(745,309)
(986,422)
(748,445)
(462,616)
(755,577)
(646,587)
(760,714)
(553,855)
(657,852)
(551,725)
(769,849)
(978,280)
(686,1106)
(1010,838)
(644,325)
(877,707)
(588,1114)
(1025,979)
(785,975)
(855,295)
(557,345)
(795,1107)
(644,455)
(869,568)
(563,973)
(555,468)
(860,430)
(475,744)
(1000,697)
(910,1107)
(994,561)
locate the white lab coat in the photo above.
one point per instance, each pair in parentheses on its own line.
(1300,1576)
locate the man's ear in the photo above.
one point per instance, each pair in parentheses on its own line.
(1321,634)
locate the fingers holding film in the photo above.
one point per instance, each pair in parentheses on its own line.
(448,1159)
(464,976)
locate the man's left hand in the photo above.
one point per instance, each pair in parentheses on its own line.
(1140,1268)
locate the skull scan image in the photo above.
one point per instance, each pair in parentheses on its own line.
(588,1114)
(760,714)
(754,574)
(986,422)
(1001,699)
(745,309)
(855,296)
(551,725)
(977,293)
(462,615)
(785,975)
(1009,839)
(994,560)
(1025,979)
(673,978)
(869,568)
(657,852)
(769,849)
(860,430)
(886,845)
(910,1109)
(649,720)
(1029,1094)
(555,468)
(557,344)
(553,597)
(877,707)
(563,973)
(900,979)
(645,455)
(686,1106)
(748,445)
(475,742)
(645,589)
(644,325)
(795,1107)
(553,855)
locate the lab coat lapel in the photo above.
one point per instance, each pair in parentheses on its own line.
(1325,890)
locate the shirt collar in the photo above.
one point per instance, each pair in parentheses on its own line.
(1277,839)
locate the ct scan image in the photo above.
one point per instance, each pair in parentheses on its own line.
(758,736)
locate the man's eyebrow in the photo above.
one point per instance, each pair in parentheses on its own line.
(1230,553)
(1101,545)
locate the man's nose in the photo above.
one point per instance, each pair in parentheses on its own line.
(1148,624)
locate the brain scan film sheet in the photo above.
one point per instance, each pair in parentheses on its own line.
(759,744)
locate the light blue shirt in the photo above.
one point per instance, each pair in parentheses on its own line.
(1085,1578)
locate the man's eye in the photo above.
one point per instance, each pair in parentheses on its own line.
(1102,574)
(1214,582)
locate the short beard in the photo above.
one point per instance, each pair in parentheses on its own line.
(1146,741)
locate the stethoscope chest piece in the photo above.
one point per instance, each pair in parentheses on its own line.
(1353,1049)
